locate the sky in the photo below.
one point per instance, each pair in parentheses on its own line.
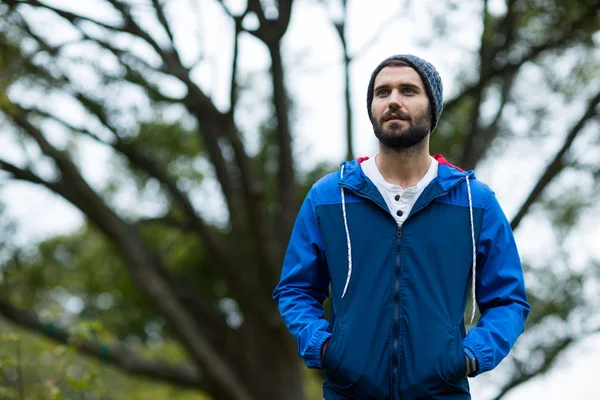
(314,78)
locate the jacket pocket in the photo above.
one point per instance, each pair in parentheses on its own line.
(454,369)
(334,353)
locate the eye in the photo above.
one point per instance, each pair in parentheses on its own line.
(408,90)
(383,92)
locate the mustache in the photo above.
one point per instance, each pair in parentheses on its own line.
(395,114)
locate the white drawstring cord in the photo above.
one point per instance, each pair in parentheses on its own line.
(347,237)
(474,248)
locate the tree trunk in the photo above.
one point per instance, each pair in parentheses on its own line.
(287,177)
(349,131)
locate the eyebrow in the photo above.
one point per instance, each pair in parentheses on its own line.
(387,86)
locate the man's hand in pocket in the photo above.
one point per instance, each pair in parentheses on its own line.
(323,350)
(468,365)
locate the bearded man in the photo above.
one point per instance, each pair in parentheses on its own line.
(400,241)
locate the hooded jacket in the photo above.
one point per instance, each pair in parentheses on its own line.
(398,294)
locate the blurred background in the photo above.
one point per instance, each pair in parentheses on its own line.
(154,153)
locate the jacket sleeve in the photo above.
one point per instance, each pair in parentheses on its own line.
(304,285)
(501,294)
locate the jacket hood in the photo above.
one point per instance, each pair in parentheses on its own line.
(448,174)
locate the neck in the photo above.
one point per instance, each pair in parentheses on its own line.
(404,167)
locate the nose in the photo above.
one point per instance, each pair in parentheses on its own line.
(395,100)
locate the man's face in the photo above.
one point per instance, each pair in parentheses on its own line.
(400,107)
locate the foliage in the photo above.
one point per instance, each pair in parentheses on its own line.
(48,371)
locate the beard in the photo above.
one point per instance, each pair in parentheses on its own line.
(395,136)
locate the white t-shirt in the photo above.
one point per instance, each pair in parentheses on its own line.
(398,200)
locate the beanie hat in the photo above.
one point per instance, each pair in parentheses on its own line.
(431,80)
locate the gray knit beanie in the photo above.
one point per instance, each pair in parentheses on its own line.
(431,80)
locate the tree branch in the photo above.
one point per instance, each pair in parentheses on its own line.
(485,64)
(565,39)
(133,28)
(551,354)
(271,31)
(117,356)
(137,159)
(285,13)
(130,26)
(71,17)
(28,176)
(167,221)
(171,63)
(550,357)
(255,7)
(160,14)
(42,142)
(286,179)
(207,233)
(126,59)
(24,174)
(227,10)
(481,137)
(488,133)
(65,124)
(340,27)
(233,91)
(476,141)
(557,164)
(171,59)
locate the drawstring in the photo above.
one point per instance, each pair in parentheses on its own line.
(347,237)
(474,249)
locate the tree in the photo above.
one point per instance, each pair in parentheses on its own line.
(230,363)
(201,280)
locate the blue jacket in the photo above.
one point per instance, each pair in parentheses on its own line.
(398,295)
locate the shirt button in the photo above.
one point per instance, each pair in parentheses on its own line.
(399,213)
(397,197)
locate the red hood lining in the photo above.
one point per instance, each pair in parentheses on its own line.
(440,159)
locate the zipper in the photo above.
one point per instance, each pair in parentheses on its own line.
(396,323)
(396,326)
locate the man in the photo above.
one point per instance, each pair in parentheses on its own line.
(404,239)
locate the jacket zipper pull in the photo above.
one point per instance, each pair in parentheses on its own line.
(399,231)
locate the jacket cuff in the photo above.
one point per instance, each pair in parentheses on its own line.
(313,356)
(473,351)
(469,354)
